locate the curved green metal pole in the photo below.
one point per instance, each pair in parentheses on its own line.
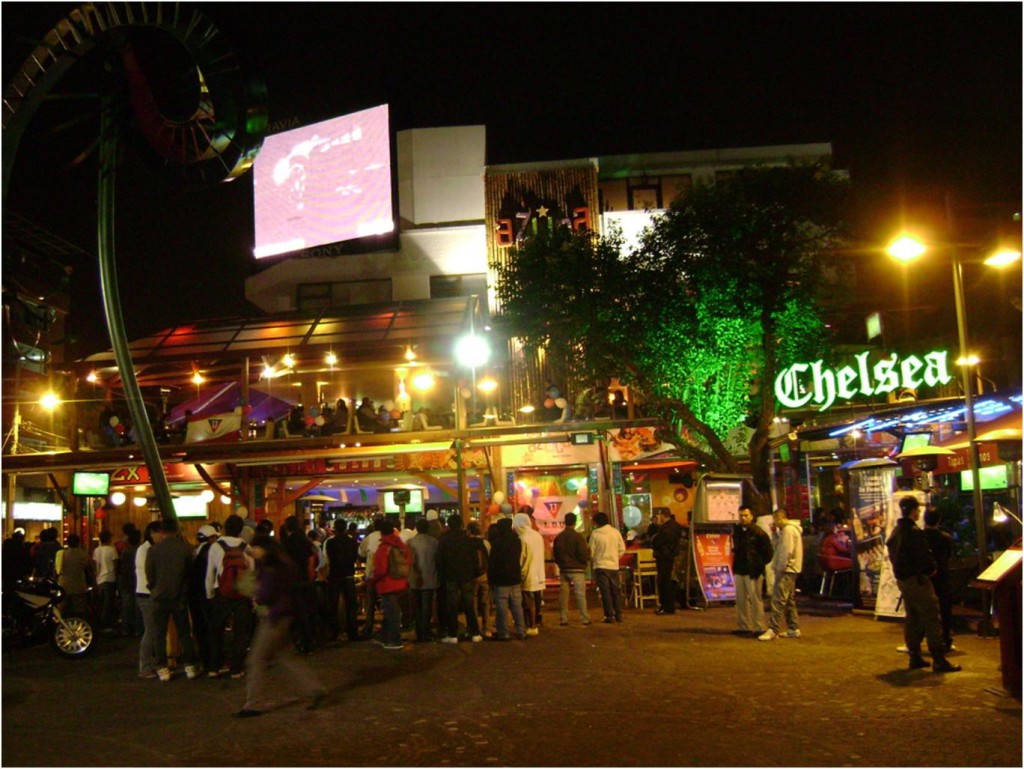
(112,309)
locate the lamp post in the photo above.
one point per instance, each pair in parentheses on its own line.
(907,248)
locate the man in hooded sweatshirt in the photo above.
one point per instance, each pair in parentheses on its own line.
(533,571)
(787,561)
(606,548)
(505,576)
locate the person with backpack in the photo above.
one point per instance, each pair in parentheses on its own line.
(199,606)
(391,566)
(227,562)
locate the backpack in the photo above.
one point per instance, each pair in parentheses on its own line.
(398,564)
(232,567)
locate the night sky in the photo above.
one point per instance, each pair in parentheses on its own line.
(915,98)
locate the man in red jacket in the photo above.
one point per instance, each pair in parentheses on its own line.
(390,582)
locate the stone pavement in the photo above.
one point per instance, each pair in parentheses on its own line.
(676,690)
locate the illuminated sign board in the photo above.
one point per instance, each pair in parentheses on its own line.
(811,384)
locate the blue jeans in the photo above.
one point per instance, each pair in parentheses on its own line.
(391,627)
(508,598)
(611,598)
(148,645)
(577,582)
(459,596)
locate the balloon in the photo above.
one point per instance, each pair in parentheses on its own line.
(583,504)
(493,509)
(388,405)
(114,421)
(534,492)
(549,403)
(498,497)
(309,421)
(314,411)
(395,414)
(561,402)
(506,508)
(320,421)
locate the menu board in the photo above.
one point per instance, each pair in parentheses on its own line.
(721,502)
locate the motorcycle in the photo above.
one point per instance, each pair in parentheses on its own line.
(31,611)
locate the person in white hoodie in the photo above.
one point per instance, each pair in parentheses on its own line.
(606,548)
(786,564)
(533,570)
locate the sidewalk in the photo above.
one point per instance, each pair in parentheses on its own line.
(676,690)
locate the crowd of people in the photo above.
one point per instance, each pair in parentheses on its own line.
(245,596)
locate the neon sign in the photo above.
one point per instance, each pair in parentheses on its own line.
(811,383)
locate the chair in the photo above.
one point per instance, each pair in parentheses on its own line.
(421,422)
(645,580)
(831,565)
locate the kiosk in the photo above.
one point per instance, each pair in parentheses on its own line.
(715,512)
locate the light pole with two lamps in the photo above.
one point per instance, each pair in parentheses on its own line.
(907,248)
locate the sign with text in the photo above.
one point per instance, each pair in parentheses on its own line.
(811,384)
(713,551)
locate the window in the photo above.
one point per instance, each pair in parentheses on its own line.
(320,296)
(444,286)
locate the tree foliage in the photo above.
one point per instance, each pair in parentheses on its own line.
(718,297)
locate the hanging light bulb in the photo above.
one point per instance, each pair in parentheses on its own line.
(409,354)
(331,359)
(288,361)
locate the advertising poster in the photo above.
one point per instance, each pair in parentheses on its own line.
(887,601)
(870,500)
(713,550)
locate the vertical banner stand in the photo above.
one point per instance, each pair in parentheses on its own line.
(715,511)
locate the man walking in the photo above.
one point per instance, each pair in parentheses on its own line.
(571,555)
(606,548)
(912,565)
(665,544)
(751,552)
(787,562)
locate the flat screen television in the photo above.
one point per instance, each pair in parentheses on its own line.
(90,484)
(324,183)
(414,505)
(994,477)
(915,440)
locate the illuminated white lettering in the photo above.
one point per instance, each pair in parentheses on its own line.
(885,375)
(936,372)
(908,372)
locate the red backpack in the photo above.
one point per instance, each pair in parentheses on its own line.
(232,566)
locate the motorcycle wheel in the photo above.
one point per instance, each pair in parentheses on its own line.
(73,638)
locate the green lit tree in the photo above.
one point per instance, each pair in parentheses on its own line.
(720,295)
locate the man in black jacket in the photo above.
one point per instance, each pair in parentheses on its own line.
(913,565)
(505,576)
(751,552)
(572,554)
(460,560)
(342,551)
(301,550)
(665,544)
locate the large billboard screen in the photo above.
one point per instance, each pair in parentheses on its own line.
(324,183)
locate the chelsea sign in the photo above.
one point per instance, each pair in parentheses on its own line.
(803,384)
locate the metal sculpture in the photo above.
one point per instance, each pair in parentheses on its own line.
(215,138)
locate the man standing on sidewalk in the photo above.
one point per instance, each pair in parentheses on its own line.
(572,555)
(786,565)
(912,565)
(751,552)
(460,559)
(665,544)
(606,548)
(167,577)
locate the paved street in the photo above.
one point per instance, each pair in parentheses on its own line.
(654,691)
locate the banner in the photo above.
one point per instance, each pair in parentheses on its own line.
(871,513)
(216,427)
(713,551)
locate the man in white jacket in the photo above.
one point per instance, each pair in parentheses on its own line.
(786,564)
(606,548)
(533,570)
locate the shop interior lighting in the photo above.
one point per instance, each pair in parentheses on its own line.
(288,361)
(49,401)
(139,501)
(197,378)
(117,498)
(92,377)
(331,359)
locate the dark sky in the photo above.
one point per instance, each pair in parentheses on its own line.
(914,97)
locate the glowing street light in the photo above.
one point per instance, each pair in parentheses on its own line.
(50,401)
(472,351)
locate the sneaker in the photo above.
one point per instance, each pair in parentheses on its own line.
(533,631)
(224,671)
(608,620)
(164,674)
(768,635)
(586,621)
(945,666)
(212,674)
(477,639)
(917,661)
(247,713)
(792,634)
(393,646)
(238,674)
(563,622)
(449,640)
(147,674)
(192,672)
(496,637)
(903,649)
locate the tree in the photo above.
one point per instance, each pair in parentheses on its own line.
(719,297)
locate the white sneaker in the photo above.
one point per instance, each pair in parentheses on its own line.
(768,635)
(903,650)
(792,634)
(191,672)
(533,631)
(164,674)
(477,639)
(449,640)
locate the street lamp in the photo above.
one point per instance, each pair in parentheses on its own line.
(906,248)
